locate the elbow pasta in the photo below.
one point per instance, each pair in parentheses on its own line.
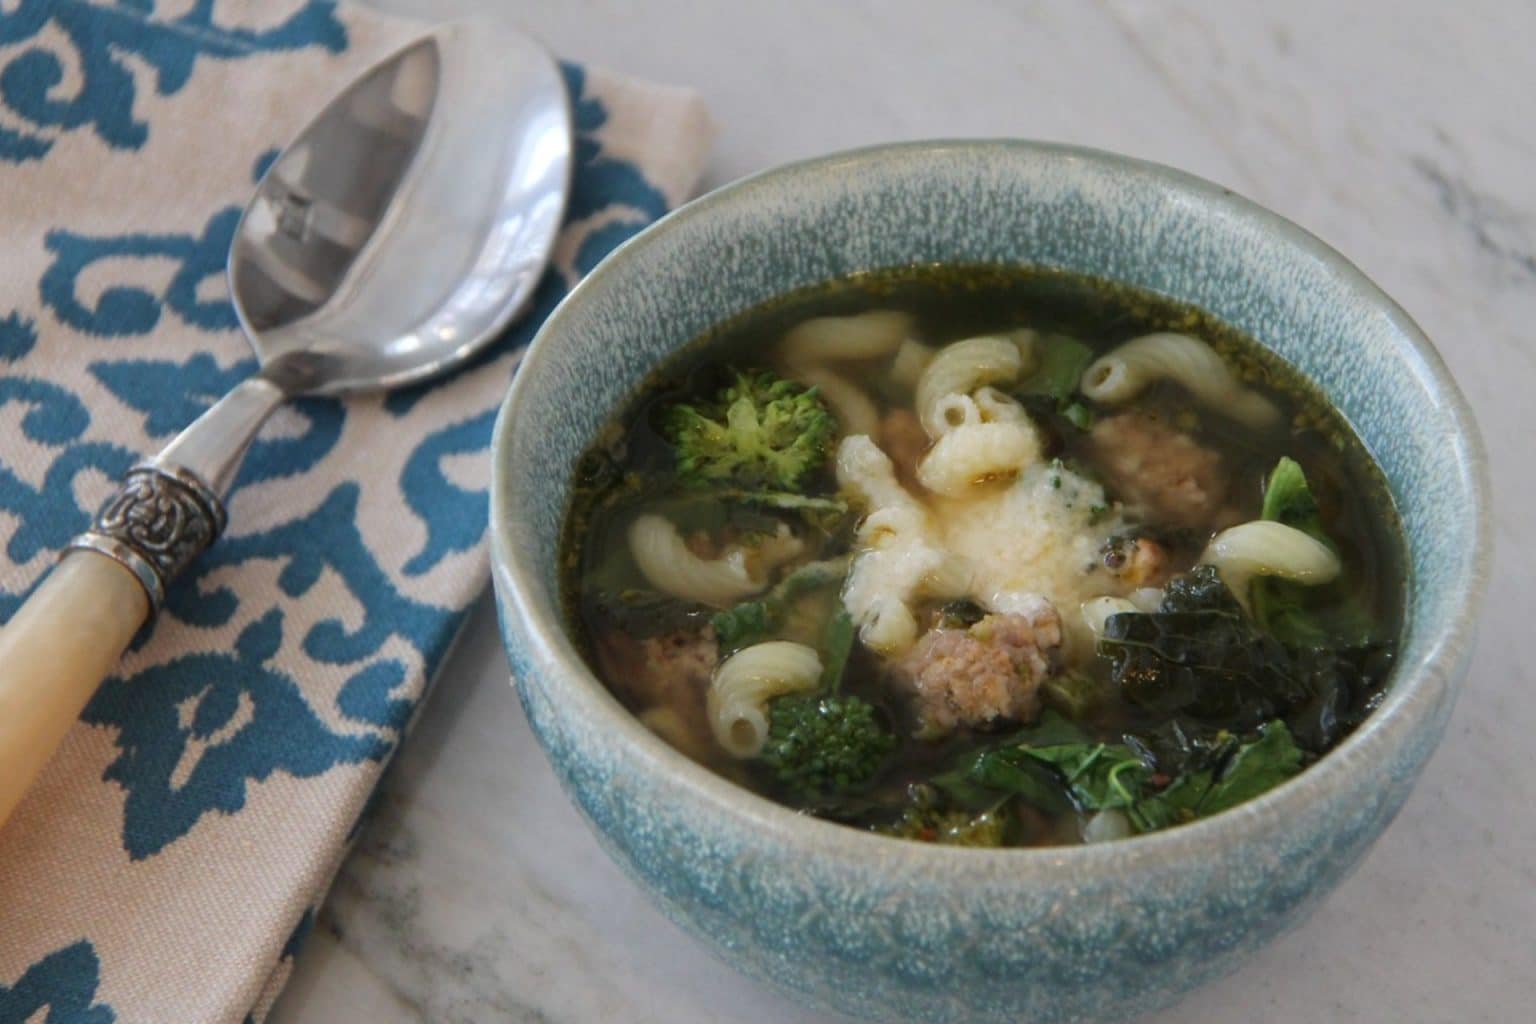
(737,702)
(901,560)
(667,564)
(887,625)
(961,368)
(1267,548)
(975,453)
(866,472)
(1124,373)
(850,406)
(987,405)
(911,359)
(808,349)
(836,339)
(890,525)
(996,407)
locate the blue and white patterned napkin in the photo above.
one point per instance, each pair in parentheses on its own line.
(168,864)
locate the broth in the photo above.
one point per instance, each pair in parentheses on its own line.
(1073,616)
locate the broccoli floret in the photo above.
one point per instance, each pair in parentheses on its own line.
(823,745)
(758,431)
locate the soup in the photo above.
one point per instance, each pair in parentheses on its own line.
(986,557)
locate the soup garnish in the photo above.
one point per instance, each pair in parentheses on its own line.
(986,557)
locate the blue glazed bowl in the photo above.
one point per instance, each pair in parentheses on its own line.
(907,931)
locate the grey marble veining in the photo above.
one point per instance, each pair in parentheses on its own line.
(1399,132)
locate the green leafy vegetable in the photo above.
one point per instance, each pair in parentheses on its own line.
(758,432)
(1008,769)
(745,624)
(1176,805)
(1249,770)
(1055,768)
(838,643)
(1068,772)
(1294,613)
(994,775)
(1256,768)
(1099,776)
(1059,364)
(1200,654)
(755,620)
(1288,500)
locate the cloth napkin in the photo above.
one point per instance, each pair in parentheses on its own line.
(169,863)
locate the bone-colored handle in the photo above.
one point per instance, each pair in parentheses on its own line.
(54,653)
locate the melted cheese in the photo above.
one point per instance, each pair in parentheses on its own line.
(1037,535)
(1010,547)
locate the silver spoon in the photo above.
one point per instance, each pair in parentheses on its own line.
(397,235)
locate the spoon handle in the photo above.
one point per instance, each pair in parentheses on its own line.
(69,633)
(56,650)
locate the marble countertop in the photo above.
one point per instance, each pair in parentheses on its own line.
(1398,131)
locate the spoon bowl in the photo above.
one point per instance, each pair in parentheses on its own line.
(411,220)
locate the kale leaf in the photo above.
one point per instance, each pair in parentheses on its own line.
(1248,770)
(1055,768)
(1200,657)
(985,777)
(1200,654)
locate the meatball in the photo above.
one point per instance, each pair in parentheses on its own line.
(670,670)
(984,675)
(1151,464)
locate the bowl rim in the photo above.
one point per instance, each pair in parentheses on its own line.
(1385,730)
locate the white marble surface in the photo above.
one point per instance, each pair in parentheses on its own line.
(1400,132)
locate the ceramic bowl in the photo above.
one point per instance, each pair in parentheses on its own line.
(894,930)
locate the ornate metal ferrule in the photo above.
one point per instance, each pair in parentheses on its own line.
(158,521)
